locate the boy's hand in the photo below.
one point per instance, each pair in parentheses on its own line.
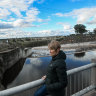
(44,77)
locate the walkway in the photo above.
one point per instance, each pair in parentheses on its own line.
(92,93)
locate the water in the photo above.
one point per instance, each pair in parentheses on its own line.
(35,68)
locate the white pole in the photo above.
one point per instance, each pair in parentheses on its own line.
(18,89)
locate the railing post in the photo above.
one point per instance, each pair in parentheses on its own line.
(93,75)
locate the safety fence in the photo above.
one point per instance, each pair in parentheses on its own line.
(80,81)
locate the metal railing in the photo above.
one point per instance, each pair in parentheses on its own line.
(80,81)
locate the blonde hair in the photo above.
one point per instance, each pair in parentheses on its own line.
(54,45)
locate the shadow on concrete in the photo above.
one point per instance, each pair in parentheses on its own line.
(11,73)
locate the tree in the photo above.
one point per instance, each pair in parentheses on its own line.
(80,28)
(94,30)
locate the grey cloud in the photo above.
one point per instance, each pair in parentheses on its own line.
(91,22)
(6,26)
(1,33)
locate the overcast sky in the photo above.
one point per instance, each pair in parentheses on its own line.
(36,18)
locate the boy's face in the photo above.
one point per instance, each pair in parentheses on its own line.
(54,52)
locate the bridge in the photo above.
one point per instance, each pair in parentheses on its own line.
(81,82)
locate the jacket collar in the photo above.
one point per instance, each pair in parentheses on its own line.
(60,55)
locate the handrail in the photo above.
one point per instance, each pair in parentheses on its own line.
(36,83)
(21,88)
(72,71)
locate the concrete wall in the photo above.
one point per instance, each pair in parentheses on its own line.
(10,57)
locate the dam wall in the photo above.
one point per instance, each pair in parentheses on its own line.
(11,57)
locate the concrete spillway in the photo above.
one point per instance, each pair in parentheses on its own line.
(10,58)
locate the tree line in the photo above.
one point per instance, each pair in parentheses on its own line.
(81,29)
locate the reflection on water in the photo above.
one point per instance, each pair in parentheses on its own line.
(73,61)
(35,68)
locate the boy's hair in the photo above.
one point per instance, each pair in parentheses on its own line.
(54,45)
